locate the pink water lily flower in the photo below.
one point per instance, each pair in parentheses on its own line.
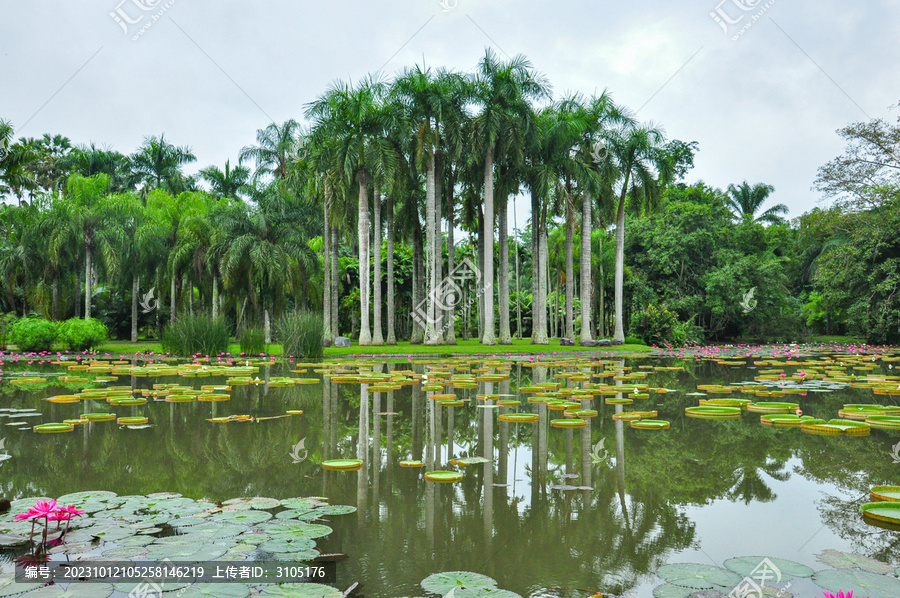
(30,514)
(840,594)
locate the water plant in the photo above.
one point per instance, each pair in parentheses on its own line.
(301,334)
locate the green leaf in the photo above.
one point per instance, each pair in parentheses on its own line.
(302,590)
(700,577)
(74,590)
(442,583)
(845,560)
(862,583)
(217,590)
(745,565)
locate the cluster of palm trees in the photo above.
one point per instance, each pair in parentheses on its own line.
(413,159)
(470,143)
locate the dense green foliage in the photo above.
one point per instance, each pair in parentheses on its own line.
(135,242)
(33,334)
(79,335)
(300,333)
(196,334)
(252,341)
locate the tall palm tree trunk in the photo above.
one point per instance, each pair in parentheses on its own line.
(480,291)
(450,323)
(365,332)
(570,267)
(215,295)
(391,316)
(77,295)
(418,332)
(431,335)
(538,307)
(336,290)
(586,286)
(503,295)
(55,296)
(88,268)
(377,337)
(326,271)
(135,289)
(543,269)
(619,335)
(439,245)
(172,299)
(489,337)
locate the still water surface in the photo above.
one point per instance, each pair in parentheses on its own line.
(597,508)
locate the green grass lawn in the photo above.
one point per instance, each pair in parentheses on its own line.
(471,347)
(463,347)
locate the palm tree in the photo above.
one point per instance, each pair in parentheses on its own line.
(501,91)
(276,146)
(14,161)
(89,222)
(636,152)
(228,183)
(50,159)
(157,164)
(745,201)
(267,257)
(351,122)
(90,160)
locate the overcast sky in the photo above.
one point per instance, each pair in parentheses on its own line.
(764,107)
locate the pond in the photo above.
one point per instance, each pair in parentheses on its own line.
(543,510)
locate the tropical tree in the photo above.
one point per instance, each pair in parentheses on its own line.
(501,91)
(230,182)
(276,146)
(14,160)
(89,222)
(157,164)
(351,122)
(745,201)
(637,154)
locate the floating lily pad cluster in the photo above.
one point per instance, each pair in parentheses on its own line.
(171,526)
(464,584)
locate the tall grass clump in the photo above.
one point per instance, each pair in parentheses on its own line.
(78,335)
(252,340)
(193,334)
(301,333)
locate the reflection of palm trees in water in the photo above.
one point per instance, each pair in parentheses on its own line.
(750,486)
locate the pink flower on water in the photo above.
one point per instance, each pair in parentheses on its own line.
(46,507)
(30,514)
(840,594)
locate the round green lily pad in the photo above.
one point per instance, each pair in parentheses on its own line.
(80,497)
(301,590)
(888,512)
(336,510)
(861,583)
(248,517)
(847,560)
(442,583)
(256,502)
(746,565)
(216,590)
(888,493)
(698,576)
(443,476)
(650,424)
(288,545)
(342,464)
(74,590)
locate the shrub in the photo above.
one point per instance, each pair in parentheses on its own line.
(193,334)
(77,334)
(301,333)
(656,325)
(33,334)
(6,322)
(253,341)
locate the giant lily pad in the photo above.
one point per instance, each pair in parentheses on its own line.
(74,590)
(465,584)
(746,565)
(888,493)
(862,583)
(217,590)
(887,512)
(248,517)
(697,576)
(302,590)
(846,560)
